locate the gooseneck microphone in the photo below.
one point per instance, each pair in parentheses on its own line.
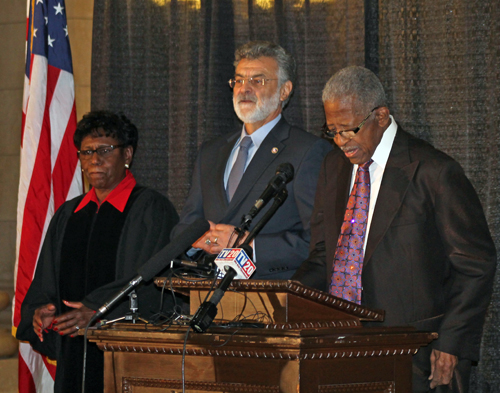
(279,199)
(157,263)
(284,175)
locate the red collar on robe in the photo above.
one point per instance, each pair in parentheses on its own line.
(118,197)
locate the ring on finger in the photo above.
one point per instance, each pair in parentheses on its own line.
(77,327)
(215,240)
(208,242)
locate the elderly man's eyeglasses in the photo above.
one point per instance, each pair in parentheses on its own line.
(254,82)
(347,134)
(102,151)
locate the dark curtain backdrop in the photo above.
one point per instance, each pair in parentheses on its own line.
(440,64)
(166,63)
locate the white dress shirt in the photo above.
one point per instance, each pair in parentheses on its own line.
(377,168)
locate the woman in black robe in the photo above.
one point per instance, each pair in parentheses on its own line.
(94,245)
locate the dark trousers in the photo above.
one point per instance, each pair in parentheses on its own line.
(422,370)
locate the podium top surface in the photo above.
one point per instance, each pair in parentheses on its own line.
(289,287)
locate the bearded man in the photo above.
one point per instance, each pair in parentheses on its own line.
(231,172)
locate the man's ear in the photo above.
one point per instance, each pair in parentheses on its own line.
(285,90)
(383,116)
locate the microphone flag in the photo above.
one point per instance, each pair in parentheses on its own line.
(237,259)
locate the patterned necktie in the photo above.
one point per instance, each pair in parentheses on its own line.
(238,167)
(348,261)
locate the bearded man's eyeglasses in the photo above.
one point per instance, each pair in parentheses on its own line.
(254,82)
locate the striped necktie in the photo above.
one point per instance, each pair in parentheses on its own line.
(238,167)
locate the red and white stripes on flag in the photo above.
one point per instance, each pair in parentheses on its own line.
(50,172)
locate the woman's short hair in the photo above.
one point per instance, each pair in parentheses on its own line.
(358,82)
(106,124)
(286,63)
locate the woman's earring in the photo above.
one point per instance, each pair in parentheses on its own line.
(127,166)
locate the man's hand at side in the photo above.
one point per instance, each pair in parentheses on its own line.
(442,366)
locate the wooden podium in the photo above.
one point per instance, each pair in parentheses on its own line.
(309,342)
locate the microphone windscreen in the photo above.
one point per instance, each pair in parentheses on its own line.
(287,170)
(173,249)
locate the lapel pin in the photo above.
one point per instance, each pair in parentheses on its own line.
(274,150)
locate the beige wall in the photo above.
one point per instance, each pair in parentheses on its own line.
(12,43)
(13,33)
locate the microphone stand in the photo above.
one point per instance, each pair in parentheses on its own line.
(208,310)
(133,315)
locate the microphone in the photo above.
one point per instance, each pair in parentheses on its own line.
(236,263)
(193,265)
(284,174)
(176,247)
(158,262)
(236,259)
(208,310)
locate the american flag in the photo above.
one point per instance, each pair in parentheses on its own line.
(50,172)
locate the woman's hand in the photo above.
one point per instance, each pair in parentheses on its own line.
(43,319)
(74,320)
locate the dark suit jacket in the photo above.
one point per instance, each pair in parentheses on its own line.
(284,242)
(429,259)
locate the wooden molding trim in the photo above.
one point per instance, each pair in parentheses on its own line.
(130,383)
(370,387)
(333,354)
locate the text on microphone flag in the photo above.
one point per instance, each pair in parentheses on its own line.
(238,259)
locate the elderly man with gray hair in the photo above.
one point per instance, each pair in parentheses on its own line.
(232,171)
(397,226)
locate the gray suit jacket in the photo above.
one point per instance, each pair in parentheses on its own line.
(283,243)
(429,260)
